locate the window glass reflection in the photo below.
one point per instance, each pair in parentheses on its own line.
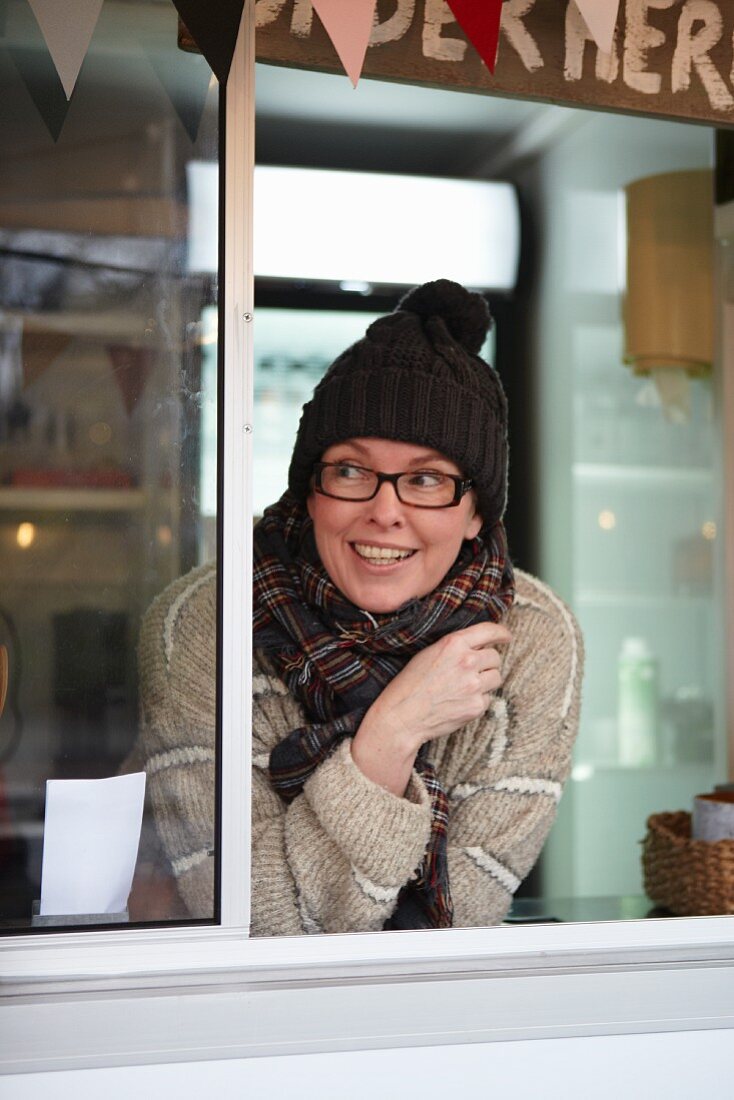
(108,365)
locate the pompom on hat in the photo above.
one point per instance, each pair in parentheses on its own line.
(416,377)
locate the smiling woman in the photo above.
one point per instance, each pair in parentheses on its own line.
(390,547)
(415,699)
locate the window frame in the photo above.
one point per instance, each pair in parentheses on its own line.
(136,965)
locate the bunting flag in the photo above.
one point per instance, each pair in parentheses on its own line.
(38,73)
(214,26)
(67,29)
(480,22)
(131,367)
(349,26)
(39,350)
(186,85)
(600,17)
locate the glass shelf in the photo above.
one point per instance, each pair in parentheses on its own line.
(651,600)
(71,500)
(673,477)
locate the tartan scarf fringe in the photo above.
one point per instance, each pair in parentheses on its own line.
(335,660)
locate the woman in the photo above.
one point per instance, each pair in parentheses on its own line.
(415,702)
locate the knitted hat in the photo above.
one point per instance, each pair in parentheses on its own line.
(416,377)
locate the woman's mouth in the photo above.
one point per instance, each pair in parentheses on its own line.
(380,555)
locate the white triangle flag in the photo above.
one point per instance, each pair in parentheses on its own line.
(600,17)
(67,29)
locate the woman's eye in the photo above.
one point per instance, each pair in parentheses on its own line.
(345,472)
(427,479)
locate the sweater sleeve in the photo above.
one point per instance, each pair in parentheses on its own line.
(502,808)
(176,742)
(334,859)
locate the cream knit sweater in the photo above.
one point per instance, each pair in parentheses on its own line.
(335,859)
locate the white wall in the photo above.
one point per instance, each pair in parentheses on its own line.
(676,1066)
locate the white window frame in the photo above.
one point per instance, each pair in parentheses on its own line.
(240,996)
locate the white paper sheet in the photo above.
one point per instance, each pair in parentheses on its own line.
(90,844)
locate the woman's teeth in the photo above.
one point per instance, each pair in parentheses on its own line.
(381,555)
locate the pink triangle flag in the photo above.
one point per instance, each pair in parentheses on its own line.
(67,29)
(348,24)
(600,17)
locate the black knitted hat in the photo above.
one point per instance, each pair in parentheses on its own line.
(416,377)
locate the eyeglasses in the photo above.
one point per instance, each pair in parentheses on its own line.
(418,488)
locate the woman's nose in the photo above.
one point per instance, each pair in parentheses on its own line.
(385,507)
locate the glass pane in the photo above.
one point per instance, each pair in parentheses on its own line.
(108,389)
(293,348)
(630,473)
(614,495)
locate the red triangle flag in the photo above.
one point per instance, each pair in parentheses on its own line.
(480,22)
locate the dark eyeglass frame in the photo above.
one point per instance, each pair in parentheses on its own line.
(462,485)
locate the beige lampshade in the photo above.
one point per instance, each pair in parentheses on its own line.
(669,307)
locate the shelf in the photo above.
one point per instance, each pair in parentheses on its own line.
(29,830)
(584,770)
(96,325)
(657,476)
(71,500)
(590,597)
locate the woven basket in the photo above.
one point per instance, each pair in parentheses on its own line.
(689,877)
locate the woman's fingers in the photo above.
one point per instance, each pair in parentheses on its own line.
(445,685)
(489,658)
(480,635)
(491,680)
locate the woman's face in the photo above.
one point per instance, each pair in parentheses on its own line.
(348,533)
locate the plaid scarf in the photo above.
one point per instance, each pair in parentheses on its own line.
(336,659)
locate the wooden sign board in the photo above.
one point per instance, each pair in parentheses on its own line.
(671,58)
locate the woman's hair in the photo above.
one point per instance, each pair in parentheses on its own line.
(416,376)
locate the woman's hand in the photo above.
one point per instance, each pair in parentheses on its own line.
(440,689)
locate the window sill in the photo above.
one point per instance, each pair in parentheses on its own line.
(193,994)
(175,955)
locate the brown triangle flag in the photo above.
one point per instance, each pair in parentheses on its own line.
(38,352)
(131,367)
(214,28)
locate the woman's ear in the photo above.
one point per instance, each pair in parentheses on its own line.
(309,503)
(475,522)
(474,525)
